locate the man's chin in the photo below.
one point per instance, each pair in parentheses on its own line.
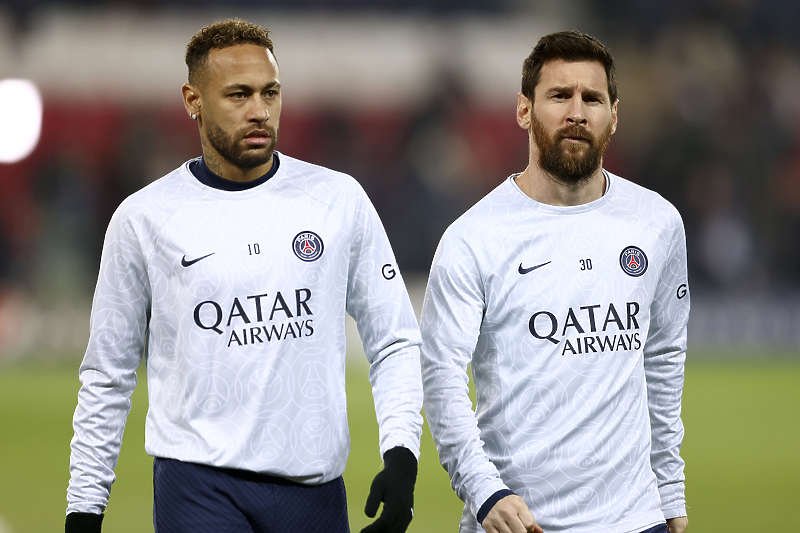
(574,149)
(570,170)
(255,157)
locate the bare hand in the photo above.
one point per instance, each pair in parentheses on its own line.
(678,524)
(510,515)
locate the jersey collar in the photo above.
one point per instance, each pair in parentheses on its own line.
(200,170)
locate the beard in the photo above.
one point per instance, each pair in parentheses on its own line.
(231,148)
(567,162)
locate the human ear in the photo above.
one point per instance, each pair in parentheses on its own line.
(191,100)
(524,108)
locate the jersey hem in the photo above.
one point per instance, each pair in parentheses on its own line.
(640,529)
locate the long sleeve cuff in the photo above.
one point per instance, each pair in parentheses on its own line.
(493,499)
(674,512)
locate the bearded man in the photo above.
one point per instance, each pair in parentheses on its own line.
(566,289)
(231,277)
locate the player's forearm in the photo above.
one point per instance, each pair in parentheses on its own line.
(668,466)
(453,425)
(673,499)
(108,379)
(473,476)
(397,392)
(664,374)
(86,498)
(99,421)
(451,322)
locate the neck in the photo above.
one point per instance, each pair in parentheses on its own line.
(548,189)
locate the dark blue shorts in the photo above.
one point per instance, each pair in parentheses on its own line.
(195,498)
(660,528)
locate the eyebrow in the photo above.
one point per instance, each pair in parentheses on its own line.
(567,89)
(244,86)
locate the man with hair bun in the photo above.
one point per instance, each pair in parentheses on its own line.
(566,290)
(231,277)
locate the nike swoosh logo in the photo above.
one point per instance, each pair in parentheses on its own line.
(531,269)
(186,263)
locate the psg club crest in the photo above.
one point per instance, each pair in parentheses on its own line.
(633,261)
(307,246)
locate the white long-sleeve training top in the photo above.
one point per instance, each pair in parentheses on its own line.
(238,298)
(574,321)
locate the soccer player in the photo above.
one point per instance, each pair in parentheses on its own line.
(566,290)
(231,276)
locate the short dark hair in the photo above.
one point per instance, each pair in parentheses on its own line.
(231,32)
(569,45)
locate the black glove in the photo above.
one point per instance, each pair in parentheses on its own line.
(83,523)
(394,486)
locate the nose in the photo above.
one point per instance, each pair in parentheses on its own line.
(576,114)
(259,111)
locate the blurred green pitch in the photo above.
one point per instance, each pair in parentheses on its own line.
(742,418)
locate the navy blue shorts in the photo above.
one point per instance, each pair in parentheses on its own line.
(195,498)
(660,528)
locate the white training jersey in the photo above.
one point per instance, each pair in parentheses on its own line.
(574,320)
(239,298)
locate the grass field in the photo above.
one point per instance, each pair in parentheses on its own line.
(742,445)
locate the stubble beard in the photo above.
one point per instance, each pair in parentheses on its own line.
(229,148)
(568,162)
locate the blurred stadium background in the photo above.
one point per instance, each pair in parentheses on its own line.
(415,99)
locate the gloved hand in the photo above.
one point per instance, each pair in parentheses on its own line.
(83,523)
(394,486)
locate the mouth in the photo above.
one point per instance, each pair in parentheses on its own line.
(257,138)
(575,135)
